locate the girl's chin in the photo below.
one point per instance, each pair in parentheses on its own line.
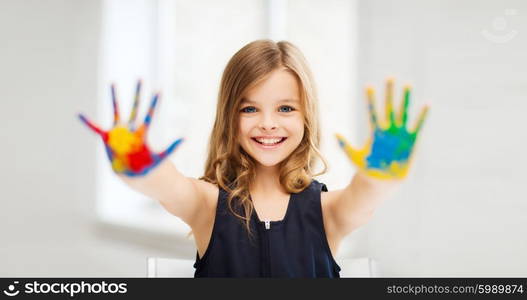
(268,163)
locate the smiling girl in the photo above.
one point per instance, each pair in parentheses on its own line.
(258,211)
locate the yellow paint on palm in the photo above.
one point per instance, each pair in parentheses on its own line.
(359,158)
(122,141)
(118,165)
(395,170)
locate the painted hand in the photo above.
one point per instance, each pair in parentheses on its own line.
(126,146)
(388,151)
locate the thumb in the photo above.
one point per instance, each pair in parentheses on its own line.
(92,126)
(355,156)
(345,145)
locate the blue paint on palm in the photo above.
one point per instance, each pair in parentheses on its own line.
(393,145)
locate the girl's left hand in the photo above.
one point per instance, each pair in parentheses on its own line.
(388,152)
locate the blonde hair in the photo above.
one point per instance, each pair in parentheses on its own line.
(228,165)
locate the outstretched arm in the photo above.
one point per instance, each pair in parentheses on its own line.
(148,172)
(382,163)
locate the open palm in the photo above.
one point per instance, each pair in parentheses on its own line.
(126,146)
(388,151)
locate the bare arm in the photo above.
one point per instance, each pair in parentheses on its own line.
(354,205)
(182,196)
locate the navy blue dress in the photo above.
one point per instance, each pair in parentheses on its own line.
(295,246)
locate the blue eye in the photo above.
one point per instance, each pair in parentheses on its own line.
(251,109)
(287,108)
(248,109)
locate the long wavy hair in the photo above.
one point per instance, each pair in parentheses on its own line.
(228,165)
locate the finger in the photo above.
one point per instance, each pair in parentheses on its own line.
(150,113)
(390,118)
(115,106)
(133,113)
(370,95)
(421,119)
(92,126)
(403,110)
(170,149)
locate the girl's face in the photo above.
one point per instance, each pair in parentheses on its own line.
(271,121)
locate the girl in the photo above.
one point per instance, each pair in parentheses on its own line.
(257,211)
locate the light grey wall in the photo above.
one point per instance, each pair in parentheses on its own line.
(463,211)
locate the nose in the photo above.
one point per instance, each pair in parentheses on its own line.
(268,122)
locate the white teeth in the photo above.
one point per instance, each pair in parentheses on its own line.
(269,141)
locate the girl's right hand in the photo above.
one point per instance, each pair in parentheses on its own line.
(126,146)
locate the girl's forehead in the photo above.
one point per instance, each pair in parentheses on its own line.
(278,85)
(280,101)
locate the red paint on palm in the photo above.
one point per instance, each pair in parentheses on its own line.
(140,159)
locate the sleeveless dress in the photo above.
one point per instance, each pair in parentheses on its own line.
(295,246)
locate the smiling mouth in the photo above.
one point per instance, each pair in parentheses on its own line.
(269,142)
